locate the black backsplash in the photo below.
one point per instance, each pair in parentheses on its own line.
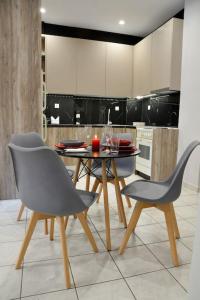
(154,111)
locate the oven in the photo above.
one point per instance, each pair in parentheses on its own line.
(144,144)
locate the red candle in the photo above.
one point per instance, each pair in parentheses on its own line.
(95,143)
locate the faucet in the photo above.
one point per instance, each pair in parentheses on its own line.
(109,122)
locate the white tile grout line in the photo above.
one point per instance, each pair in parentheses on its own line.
(111,255)
(134,297)
(21,285)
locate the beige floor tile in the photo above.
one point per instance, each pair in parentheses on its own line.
(42,277)
(151,233)
(162,252)
(136,260)
(186,211)
(144,219)
(116,290)
(10,205)
(9,253)
(12,233)
(181,274)
(93,268)
(185,228)
(192,221)
(61,295)
(99,222)
(44,249)
(10,282)
(117,236)
(188,241)
(158,285)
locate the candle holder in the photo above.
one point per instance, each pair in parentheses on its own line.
(95,144)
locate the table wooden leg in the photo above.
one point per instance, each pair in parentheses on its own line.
(87,186)
(75,180)
(106,205)
(118,193)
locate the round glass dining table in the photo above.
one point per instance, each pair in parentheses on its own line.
(106,160)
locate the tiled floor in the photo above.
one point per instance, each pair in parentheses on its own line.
(143,272)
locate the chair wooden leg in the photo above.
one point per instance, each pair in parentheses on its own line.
(131,226)
(66,222)
(27,239)
(99,192)
(127,198)
(118,193)
(52,229)
(95,185)
(20,212)
(64,250)
(176,230)
(106,205)
(170,228)
(87,186)
(87,230)
(46,230)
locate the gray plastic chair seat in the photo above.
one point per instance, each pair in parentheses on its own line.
(88,198)
(122,173)
(164,191)
(143,190)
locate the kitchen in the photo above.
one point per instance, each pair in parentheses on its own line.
(101,75)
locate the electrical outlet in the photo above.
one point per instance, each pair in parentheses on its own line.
(78,116)
(56,105)
(149,107)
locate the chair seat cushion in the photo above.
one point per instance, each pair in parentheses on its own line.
(148,191)
(122,173)
(87,197)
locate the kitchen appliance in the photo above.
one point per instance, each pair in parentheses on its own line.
(144,144)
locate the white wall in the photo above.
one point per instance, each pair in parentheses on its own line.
(189,121)
(189,118)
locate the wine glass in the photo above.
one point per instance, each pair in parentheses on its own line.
(107,134)
(88,134)
(115,139)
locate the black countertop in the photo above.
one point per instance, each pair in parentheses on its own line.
(91,125)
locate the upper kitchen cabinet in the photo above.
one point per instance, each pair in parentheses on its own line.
(91,67)
(119,71)
(166,56)
(61,64)
(142,67)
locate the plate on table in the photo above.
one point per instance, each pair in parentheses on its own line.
(128,147)
(71,143)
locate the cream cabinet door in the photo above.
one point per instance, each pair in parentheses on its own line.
(166,55)
(142,67)
(119,63)
(61,64)
(161,56)
(91,67)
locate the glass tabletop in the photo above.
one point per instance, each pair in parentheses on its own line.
(97,155)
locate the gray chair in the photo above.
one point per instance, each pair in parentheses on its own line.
(125,168)
(46,188)
(30,140)
(160,195)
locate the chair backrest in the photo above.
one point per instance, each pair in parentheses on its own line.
(175,180)
(126,163)
(27,140)
(43,182)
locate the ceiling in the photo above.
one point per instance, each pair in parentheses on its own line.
(141,16)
